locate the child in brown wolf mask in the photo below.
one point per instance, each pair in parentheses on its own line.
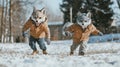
(39,30)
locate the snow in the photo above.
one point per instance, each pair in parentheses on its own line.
(105,38)
(55,23)
(97,55)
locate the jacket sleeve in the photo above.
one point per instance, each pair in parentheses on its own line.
(94,30)
(27,25)
(47,30)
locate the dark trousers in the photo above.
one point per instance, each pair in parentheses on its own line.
(40,41)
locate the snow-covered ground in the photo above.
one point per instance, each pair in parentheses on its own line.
(98,55)
(105,38)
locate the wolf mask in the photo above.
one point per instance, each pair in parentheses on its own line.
(38,16)
(84,19)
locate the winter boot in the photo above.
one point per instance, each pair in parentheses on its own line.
(35,52)
(44,52)
(71,53)
(81,53)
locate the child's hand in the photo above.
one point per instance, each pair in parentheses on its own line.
(24,34)
(67,33)
(48,41)
(100,33)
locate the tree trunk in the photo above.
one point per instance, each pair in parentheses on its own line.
(71,14)
(2,21)
(5,22)
(10,37)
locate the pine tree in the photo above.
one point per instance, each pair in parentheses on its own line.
(102,14)
(65,9)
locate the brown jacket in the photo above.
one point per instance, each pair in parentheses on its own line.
(81,35)
(41,31)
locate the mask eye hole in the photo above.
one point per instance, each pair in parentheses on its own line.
(39,17)
(85,20)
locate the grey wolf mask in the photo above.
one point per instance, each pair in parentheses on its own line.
(84,19)
(38,16)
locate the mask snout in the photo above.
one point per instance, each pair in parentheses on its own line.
(82,23)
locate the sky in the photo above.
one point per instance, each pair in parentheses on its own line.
(53,5)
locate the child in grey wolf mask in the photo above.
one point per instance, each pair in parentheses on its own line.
(39,30)
(80,32)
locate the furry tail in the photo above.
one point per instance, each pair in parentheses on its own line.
(65,26)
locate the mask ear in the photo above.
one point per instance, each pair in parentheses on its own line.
(89,14)
(34,9)
(43,10)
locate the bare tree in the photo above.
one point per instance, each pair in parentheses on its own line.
(12,14)
(10,37)
(2,20)
(5,23)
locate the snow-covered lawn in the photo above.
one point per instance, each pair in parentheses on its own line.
(98,55)
(105,38)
